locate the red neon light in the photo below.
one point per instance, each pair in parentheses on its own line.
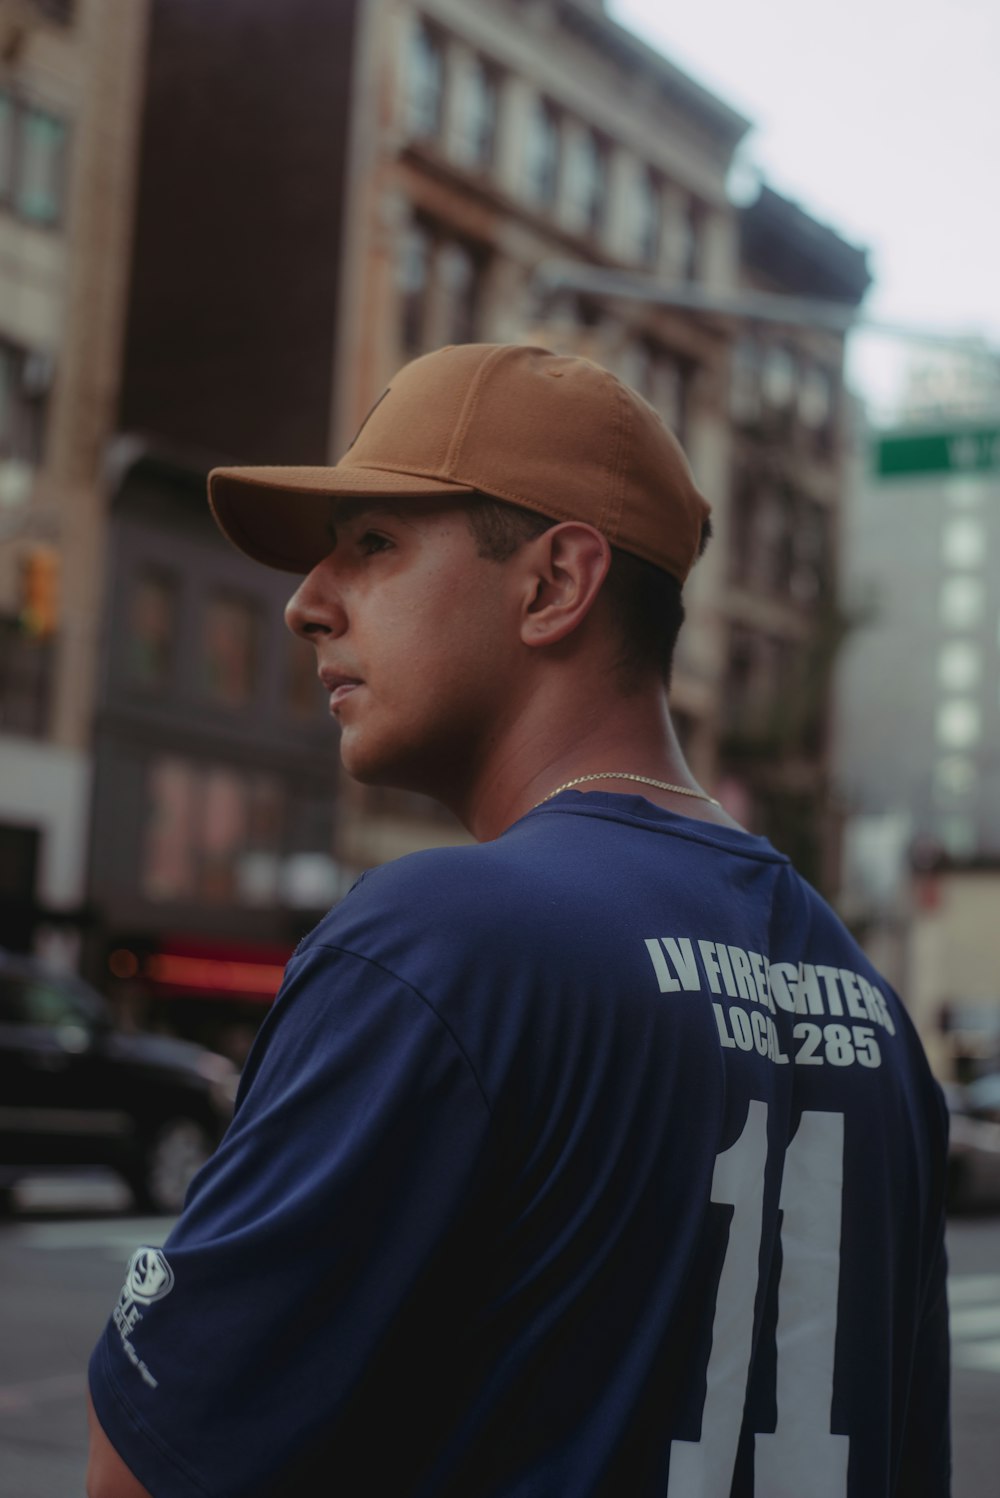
(214,975)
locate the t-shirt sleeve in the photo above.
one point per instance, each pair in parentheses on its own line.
(351,1160)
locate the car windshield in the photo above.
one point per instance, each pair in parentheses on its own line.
(33,999)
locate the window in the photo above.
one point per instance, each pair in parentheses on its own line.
(810,579)
(815,397)
(32,160)
(439,280)
(779,377)
(204,823)
(780,540)
(660,377)
(759,670)
(152,620)
(479,114)
(745,387)
(588,171)
(958,835)
(759,525)
(542,154)
(229,649)
(223,832)
(958,723)
(455,273)
(425,82)
(413,274)
(38,189)
(963,542)
(169,856)
(684,240)
(817,404)
(959,665)
(954,776)
(23,406)
(962,602)
(648,217)
(6,147)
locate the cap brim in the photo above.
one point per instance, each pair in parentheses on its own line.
(277,515)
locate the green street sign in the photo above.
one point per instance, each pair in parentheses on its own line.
(960,450)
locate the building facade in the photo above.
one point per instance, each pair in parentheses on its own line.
(70,84)
(918,720)
(919,700)
(792,441)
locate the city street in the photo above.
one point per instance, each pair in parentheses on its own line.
(63,1254)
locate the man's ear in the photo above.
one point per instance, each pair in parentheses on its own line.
(564,569)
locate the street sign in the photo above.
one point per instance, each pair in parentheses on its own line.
(958,450)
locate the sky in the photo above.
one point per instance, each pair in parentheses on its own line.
(880,118)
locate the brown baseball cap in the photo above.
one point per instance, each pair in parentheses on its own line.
(552,432)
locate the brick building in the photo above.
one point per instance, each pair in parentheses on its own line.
(70,86)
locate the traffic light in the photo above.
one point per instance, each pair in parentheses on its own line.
(40,592)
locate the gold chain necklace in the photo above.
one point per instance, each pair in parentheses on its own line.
(663,785)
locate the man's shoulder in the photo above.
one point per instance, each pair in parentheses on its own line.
(446,890)
(456,870)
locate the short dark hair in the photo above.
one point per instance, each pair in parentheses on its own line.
(645,601)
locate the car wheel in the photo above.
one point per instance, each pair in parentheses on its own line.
(174,1154)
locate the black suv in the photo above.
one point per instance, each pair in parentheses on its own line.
(76,1091)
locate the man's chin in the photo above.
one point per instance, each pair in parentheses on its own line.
(391,772)
(368,767)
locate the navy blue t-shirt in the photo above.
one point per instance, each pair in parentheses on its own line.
(595,1160)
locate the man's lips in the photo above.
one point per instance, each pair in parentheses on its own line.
(339,685)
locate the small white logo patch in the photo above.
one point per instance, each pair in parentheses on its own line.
(149,1277)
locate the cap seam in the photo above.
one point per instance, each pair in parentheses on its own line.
(460,433)
(612,523)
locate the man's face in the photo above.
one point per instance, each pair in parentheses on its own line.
(416,640)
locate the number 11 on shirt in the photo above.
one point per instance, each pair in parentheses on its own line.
(802,1456)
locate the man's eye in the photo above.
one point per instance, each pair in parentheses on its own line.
(371,541)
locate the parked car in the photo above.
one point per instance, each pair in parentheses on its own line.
(974,1146)
(74,1090)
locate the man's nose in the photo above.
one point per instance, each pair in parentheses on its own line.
(315,608)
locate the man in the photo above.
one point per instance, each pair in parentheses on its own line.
(595,1158)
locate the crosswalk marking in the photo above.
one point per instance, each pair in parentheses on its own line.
(976,1287)
(974,1300)
(119,1237)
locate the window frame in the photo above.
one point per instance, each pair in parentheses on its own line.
(543,169)
(425,41)
(23,107)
